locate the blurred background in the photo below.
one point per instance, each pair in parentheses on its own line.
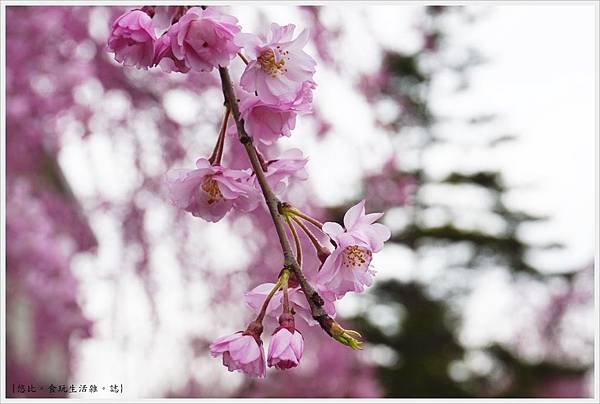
(472,128)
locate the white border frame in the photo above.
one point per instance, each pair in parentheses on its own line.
(5,3)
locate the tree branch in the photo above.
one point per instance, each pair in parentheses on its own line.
(314,300)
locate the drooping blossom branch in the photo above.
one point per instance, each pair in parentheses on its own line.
(275,87)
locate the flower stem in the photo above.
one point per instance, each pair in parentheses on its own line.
(314,300)
(309,219)
(217,154)
(296,240)
(284,286)
(321,251)
(263,309)
(243,58)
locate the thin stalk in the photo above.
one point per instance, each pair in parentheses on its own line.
(309,219)
(284,286)
(296,240)
(309,234)
(263,309)
(217,154)
(243,58)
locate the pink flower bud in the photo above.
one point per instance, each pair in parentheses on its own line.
(285,349)
(241,352)
(132,39)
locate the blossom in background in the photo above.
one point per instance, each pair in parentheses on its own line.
(132,39)
(348,267)
(286,347)
(255,298)
(211,191)
(241,352)
(163,57)
(278,66)
(203,39)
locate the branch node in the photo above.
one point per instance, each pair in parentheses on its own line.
(317,299)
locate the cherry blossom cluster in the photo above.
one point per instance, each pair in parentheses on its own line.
(275,86)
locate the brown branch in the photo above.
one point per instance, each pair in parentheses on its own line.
(314,300)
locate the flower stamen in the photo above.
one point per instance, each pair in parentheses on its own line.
(211,187)
(355,256)
(270,64)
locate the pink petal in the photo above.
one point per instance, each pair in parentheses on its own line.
(332,229)
(297,344)
(280,342)
(353,214)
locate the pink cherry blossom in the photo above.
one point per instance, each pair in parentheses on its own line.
(163,57)
(241,352)
(267,122)
(285,349)
(278,66)
(255,298)
(290,164)
(132,39)
(203,39)
(348,267)
(359,226)
(211,191)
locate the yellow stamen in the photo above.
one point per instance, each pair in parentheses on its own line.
(211,187)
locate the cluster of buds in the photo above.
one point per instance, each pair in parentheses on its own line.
(275,87)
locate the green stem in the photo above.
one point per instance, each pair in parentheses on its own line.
(309,219)
(263,309)
(296,240)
